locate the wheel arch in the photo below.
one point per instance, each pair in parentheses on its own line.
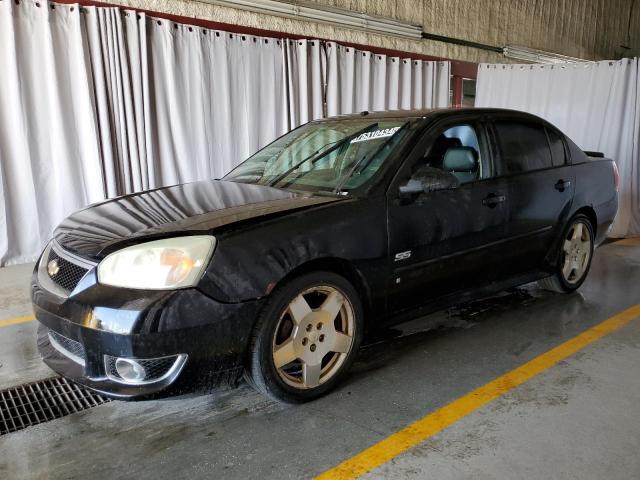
(553,255)
(556,281)
(339,266)
(590,213)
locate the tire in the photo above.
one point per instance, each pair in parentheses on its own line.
(297,352)
(574,258)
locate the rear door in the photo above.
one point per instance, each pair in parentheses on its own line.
(532,158)
(448,240)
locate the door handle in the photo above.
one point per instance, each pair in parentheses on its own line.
(492,200)
(561,185)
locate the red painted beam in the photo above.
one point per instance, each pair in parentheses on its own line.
(464,69)
(457,82)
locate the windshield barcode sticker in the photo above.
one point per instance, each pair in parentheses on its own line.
(385,132)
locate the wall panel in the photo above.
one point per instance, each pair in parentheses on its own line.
(592,29)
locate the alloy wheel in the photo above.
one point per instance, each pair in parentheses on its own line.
(313,337)
(576,253)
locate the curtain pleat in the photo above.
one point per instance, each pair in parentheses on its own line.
(359,80)
(596,104)
(98,102)
(50,162)
(304,62)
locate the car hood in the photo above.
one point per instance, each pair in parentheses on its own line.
(188,208)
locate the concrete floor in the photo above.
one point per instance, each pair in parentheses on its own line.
(580,419)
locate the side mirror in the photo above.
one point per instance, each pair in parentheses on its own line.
(428,179)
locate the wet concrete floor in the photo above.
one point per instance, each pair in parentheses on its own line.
(580,419)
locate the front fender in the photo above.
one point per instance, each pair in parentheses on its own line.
(249,262)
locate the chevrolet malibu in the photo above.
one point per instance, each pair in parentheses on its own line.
(334,231)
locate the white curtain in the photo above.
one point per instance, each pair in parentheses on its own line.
(177,103)
(305,63)
(595,104)
(117,53)
(49,157)
(358,80)
(218,97)
(97,102)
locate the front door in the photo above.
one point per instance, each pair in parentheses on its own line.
(446,241)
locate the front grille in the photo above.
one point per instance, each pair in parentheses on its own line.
(155,368)
(43,401)
(69,348)
(68,275)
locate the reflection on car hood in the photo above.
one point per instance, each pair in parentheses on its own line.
(192,207)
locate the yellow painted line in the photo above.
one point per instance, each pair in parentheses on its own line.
(437,421)
(629,242)
(16,321)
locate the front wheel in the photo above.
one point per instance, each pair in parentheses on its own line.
(306,338)
(575,257)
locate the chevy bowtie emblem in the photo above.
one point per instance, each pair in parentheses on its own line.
(53,268)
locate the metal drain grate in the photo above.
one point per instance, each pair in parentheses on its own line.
(43,401)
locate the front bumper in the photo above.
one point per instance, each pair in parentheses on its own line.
(213,336)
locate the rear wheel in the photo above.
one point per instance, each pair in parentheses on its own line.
(574,259)
(306,338)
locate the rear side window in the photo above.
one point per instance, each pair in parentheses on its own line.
(557,148)
(523,146)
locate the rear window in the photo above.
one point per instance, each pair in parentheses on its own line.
(523,147)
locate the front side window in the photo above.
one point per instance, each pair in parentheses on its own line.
(334,156)
(523,147)
(457,150)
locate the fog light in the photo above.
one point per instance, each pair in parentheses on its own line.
(130,370)
(144,371)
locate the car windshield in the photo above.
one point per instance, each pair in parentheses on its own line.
(335,156)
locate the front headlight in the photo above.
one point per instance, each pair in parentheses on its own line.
(159,265)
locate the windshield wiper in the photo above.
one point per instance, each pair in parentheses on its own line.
(314,157)
(355,166)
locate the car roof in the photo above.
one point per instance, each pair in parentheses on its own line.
(433,113)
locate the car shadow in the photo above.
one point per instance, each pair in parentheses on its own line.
(394,343)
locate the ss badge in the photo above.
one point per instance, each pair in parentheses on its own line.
(403,255)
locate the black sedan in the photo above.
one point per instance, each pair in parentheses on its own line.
(336,230)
